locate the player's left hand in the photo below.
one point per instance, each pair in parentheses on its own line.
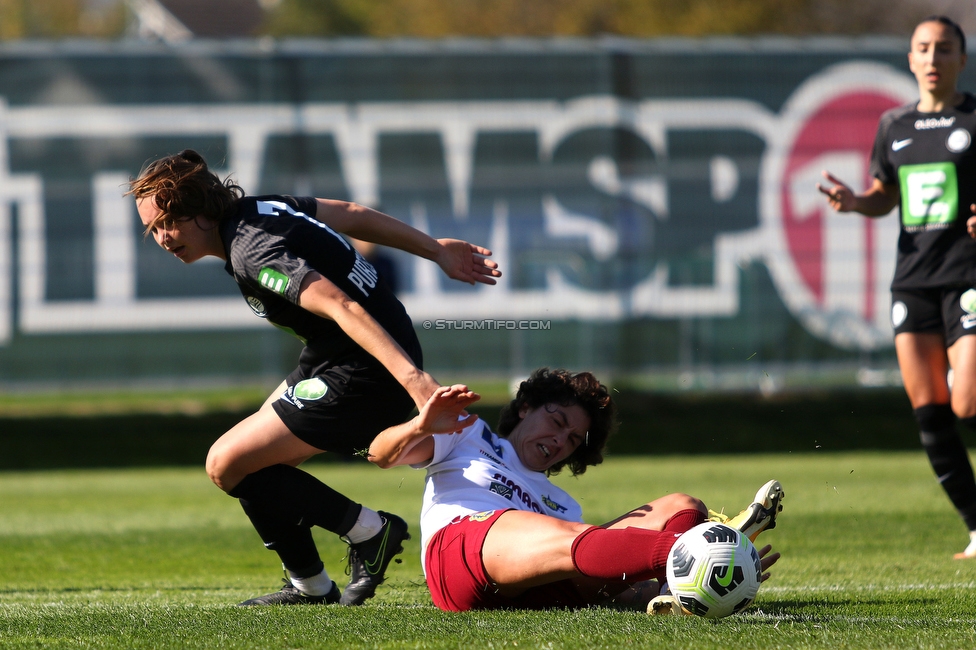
(767,560)
(467,262)
(971,222)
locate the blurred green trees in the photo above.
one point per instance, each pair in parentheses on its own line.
(61,18)
(498,18)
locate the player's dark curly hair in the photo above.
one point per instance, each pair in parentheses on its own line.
(545,386)
(185,188)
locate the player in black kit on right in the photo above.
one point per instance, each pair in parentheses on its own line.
(359,373)
(924,157)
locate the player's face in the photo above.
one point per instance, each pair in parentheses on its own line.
(936,58)
(185,239)
(548,434)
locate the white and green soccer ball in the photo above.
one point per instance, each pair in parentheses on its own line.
(714,570)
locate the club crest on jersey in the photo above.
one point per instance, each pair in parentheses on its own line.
(273,280)
(257,307)
(958,141)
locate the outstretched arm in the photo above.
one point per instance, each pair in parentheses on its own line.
(411,442)
(877,201)
(459,259)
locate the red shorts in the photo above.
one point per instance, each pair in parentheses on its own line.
(457,579)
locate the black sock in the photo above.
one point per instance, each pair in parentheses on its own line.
(283,503)
(949,458)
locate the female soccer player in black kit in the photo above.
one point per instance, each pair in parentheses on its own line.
(924,161)
(359,373)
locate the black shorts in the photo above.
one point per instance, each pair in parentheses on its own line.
(949,311)
(342,408)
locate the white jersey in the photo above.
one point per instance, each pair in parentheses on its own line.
(476,470)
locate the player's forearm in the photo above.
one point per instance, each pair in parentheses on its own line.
(370,335)
(873,205)
(393,446)
(373,226)
(321,297)
(878,200)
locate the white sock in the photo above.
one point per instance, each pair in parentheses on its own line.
(317,585)
(367,525)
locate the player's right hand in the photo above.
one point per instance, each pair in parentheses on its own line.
(971,222)
(840,197)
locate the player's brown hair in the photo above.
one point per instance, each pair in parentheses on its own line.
(948,22)
(545,386)
(184,188)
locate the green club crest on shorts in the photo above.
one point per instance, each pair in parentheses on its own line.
(273,280)
(968,301)
(311,389)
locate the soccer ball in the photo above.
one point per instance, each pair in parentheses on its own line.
(714,570)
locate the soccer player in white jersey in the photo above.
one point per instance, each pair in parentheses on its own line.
(498,534)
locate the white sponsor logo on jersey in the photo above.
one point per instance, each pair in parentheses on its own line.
(898,145)
(934,123)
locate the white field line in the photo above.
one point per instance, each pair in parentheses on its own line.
(806,589)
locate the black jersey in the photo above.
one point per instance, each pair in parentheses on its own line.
(272,243)
(931,158)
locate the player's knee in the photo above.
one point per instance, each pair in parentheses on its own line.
(219,467)
(678,502)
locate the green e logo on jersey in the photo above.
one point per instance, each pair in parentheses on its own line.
(273,280)
(929,194)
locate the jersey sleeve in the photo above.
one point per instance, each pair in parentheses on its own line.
(445,443)
(262,259)
(881,167)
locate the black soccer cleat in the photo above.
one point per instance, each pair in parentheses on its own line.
(290,595)
(368,560)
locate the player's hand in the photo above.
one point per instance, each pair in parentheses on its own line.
(466,262)
(840,197)
(767,560)
(445,411)
(971,222)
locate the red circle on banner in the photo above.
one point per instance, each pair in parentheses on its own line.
(846,123)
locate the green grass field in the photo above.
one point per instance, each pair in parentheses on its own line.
(157,558)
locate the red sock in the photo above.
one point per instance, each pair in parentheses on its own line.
(630,554)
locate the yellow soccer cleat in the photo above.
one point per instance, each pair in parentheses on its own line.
(760,515)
